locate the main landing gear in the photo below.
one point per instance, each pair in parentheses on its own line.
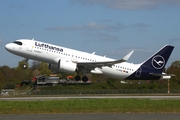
(77,78)
(84,78)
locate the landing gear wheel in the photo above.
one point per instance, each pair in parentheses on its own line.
(77,78)
(84,78)
(24,66)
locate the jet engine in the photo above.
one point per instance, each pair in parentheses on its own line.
(66,66)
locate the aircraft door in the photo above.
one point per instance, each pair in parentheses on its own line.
(30,46)
(138,72)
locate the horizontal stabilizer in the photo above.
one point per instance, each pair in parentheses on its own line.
(160,75)
(163,76)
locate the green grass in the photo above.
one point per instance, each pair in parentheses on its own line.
(90,106)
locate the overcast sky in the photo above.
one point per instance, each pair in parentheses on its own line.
(107,27)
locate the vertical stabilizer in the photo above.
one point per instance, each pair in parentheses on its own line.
(153,67)
(159,59)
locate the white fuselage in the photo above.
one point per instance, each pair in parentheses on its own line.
(49,53)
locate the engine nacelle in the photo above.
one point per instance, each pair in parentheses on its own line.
(97,71)
(66,66)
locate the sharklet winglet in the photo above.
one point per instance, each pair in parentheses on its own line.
(128,56)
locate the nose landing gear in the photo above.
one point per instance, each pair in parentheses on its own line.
(25,64)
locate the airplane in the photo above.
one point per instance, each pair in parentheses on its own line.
(69,60)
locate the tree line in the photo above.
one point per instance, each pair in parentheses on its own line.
(10,77)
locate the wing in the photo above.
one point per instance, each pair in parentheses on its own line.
(92,65)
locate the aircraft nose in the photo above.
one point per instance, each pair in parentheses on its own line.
(8,47)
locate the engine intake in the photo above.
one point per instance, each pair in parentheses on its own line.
(66,66)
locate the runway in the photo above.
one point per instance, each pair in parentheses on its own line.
(90,116)
(106,116)
(84,97)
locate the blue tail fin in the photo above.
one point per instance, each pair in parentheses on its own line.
(158,61)
(152,68)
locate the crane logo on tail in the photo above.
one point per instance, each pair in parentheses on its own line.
(158,62)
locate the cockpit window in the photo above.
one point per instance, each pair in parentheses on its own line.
(18,42)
